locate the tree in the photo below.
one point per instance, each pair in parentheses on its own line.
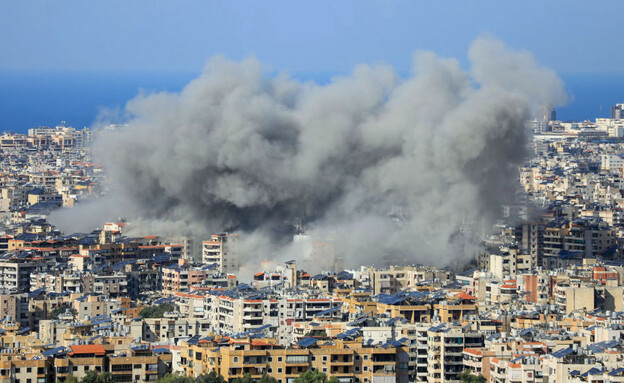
(467,377)
(267,379)
(157,311)
(68,379)
(90,377)
(98,377)
(315,376)
(175,378)
(106,377)
(245,379)
(211,377)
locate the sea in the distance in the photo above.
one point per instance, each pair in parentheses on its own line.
(30,99)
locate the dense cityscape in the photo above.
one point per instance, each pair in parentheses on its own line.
(381,191)
(542,301)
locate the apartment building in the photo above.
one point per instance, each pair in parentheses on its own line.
(574,296)
(347,361)
(611,162)
(498,293)
(109,284)
(138,365)
(535,287)
(445,347)
(285,276)
(24,368)
(15,275)
(80,360)
(589,238)
(184,277)
(395,279)
(169,330)
(16,306)
(510,262)
(219,250)
(530,237)
(240,314)
(142,365)
(522,370)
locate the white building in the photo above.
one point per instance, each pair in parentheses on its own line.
(611,162)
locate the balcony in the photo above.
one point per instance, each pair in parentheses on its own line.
(384,370)
(259,360)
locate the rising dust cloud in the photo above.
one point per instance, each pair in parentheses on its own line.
(392,169)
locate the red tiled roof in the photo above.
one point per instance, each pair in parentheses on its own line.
(473,351)
(96,349)
(465,296)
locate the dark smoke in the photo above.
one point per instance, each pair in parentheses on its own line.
(389,168)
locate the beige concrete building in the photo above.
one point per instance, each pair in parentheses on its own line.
(219,250)
(574,296)
(395,279)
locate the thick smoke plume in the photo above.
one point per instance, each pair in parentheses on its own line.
(389,169)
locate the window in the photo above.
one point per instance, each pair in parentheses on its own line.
(365,368)
(28,369)
(279,359)
(325,370)
(357,368)
(236,359)
(137,366)
(279,370)
(324,358)
(297,359)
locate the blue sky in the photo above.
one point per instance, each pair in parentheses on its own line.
(69,59)
(312,37)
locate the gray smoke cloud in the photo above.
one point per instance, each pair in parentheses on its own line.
(388,169)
